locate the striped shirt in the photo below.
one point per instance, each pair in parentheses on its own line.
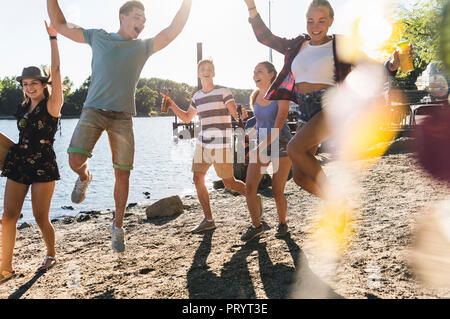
(215,119)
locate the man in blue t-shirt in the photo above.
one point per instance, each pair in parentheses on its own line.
(117,61)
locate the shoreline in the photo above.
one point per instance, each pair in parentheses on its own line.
(164,260)
(78,212)
(11,117)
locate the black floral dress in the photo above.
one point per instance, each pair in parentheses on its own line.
(33,159)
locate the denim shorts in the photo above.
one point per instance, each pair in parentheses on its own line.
(309,105)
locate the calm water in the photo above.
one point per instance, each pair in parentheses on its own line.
(162,167)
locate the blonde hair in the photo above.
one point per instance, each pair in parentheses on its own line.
(322,3)
(204,61)
(130,5)
(270,69)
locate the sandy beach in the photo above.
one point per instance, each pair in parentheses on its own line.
(164,260)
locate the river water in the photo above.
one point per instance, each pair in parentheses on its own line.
(162,167)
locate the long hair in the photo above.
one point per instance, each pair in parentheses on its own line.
(270,69)
(47,90)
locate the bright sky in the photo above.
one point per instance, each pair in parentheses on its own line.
(221,25)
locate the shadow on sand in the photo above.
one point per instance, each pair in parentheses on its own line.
(26,286)
(234,282)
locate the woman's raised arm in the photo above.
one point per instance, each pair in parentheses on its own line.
(56,99)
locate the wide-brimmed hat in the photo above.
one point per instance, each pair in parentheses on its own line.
(32,72)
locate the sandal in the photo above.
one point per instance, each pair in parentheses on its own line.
(6,275)
(47,263)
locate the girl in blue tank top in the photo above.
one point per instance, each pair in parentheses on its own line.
(273,135)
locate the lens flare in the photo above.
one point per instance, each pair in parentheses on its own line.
(430,255)
(358,115)
(371,31)
(335,226)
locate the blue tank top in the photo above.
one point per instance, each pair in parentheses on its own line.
(265,119)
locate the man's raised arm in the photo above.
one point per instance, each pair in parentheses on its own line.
(60,24)
(167,35)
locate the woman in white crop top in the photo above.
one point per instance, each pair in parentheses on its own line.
(311,66)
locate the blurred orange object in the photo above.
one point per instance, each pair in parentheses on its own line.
(430,254)
(405,60)
(166,102)
(5,144)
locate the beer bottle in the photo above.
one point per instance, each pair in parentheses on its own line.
(242,126)
(166,102)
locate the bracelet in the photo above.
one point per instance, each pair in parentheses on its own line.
(250,9)
(53,37)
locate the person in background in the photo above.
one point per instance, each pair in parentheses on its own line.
(273,135)
(214,105)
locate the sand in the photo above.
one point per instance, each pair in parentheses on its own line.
(164,260)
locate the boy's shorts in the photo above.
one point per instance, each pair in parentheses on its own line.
(118,125)
(221,158)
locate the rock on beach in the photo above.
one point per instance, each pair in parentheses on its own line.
(164,260)
(168,206)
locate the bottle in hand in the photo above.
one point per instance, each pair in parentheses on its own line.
(166,102)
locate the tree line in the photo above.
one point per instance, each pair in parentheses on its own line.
(420,26)
(148,99)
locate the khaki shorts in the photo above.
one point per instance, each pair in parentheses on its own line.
(118,125)
(221,158)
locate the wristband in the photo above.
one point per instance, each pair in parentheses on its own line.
(53,37)
(250,9)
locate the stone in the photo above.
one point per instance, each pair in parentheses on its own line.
(68,220)
(218,184)
(131,205)
(168,206)
(83,218)
(91,212)
(24,225)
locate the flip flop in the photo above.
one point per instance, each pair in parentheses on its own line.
(47,263)
(6,275)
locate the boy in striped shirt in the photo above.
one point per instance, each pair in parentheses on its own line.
(214,105)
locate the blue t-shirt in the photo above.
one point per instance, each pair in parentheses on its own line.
(116,67)
(265,119)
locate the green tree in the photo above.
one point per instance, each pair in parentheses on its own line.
(67,87)
(73,102)
(241,96)
(421,27)
(11,95)
(146,101)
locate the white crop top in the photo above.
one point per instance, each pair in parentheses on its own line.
(314,64)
